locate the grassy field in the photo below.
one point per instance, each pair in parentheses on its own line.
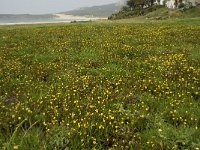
(108,85)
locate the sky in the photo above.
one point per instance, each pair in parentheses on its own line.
(46,6)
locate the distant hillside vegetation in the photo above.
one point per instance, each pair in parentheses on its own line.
(96,11)
(158,12)
(165,13)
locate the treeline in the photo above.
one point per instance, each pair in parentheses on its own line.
(133,4)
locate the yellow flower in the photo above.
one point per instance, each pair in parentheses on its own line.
(159,130)
(16,147)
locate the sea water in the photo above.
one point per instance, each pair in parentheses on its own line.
(36,21)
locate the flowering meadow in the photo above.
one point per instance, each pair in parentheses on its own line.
(99,86)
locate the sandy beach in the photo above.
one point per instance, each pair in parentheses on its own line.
(71,17)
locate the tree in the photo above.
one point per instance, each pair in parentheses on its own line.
(140,3)
(125,8)
(131,4)
(176,3)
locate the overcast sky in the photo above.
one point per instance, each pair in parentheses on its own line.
(45,6)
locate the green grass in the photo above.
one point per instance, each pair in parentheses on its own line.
(128,84)
(160,12)
(194,12)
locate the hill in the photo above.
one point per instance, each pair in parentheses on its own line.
(158,13)
(165,13)
(96,11)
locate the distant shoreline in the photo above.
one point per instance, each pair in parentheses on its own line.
(24,23)
(57,18)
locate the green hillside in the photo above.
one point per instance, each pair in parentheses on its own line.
(165,13)
(158,13)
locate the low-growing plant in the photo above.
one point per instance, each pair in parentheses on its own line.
(100,86)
